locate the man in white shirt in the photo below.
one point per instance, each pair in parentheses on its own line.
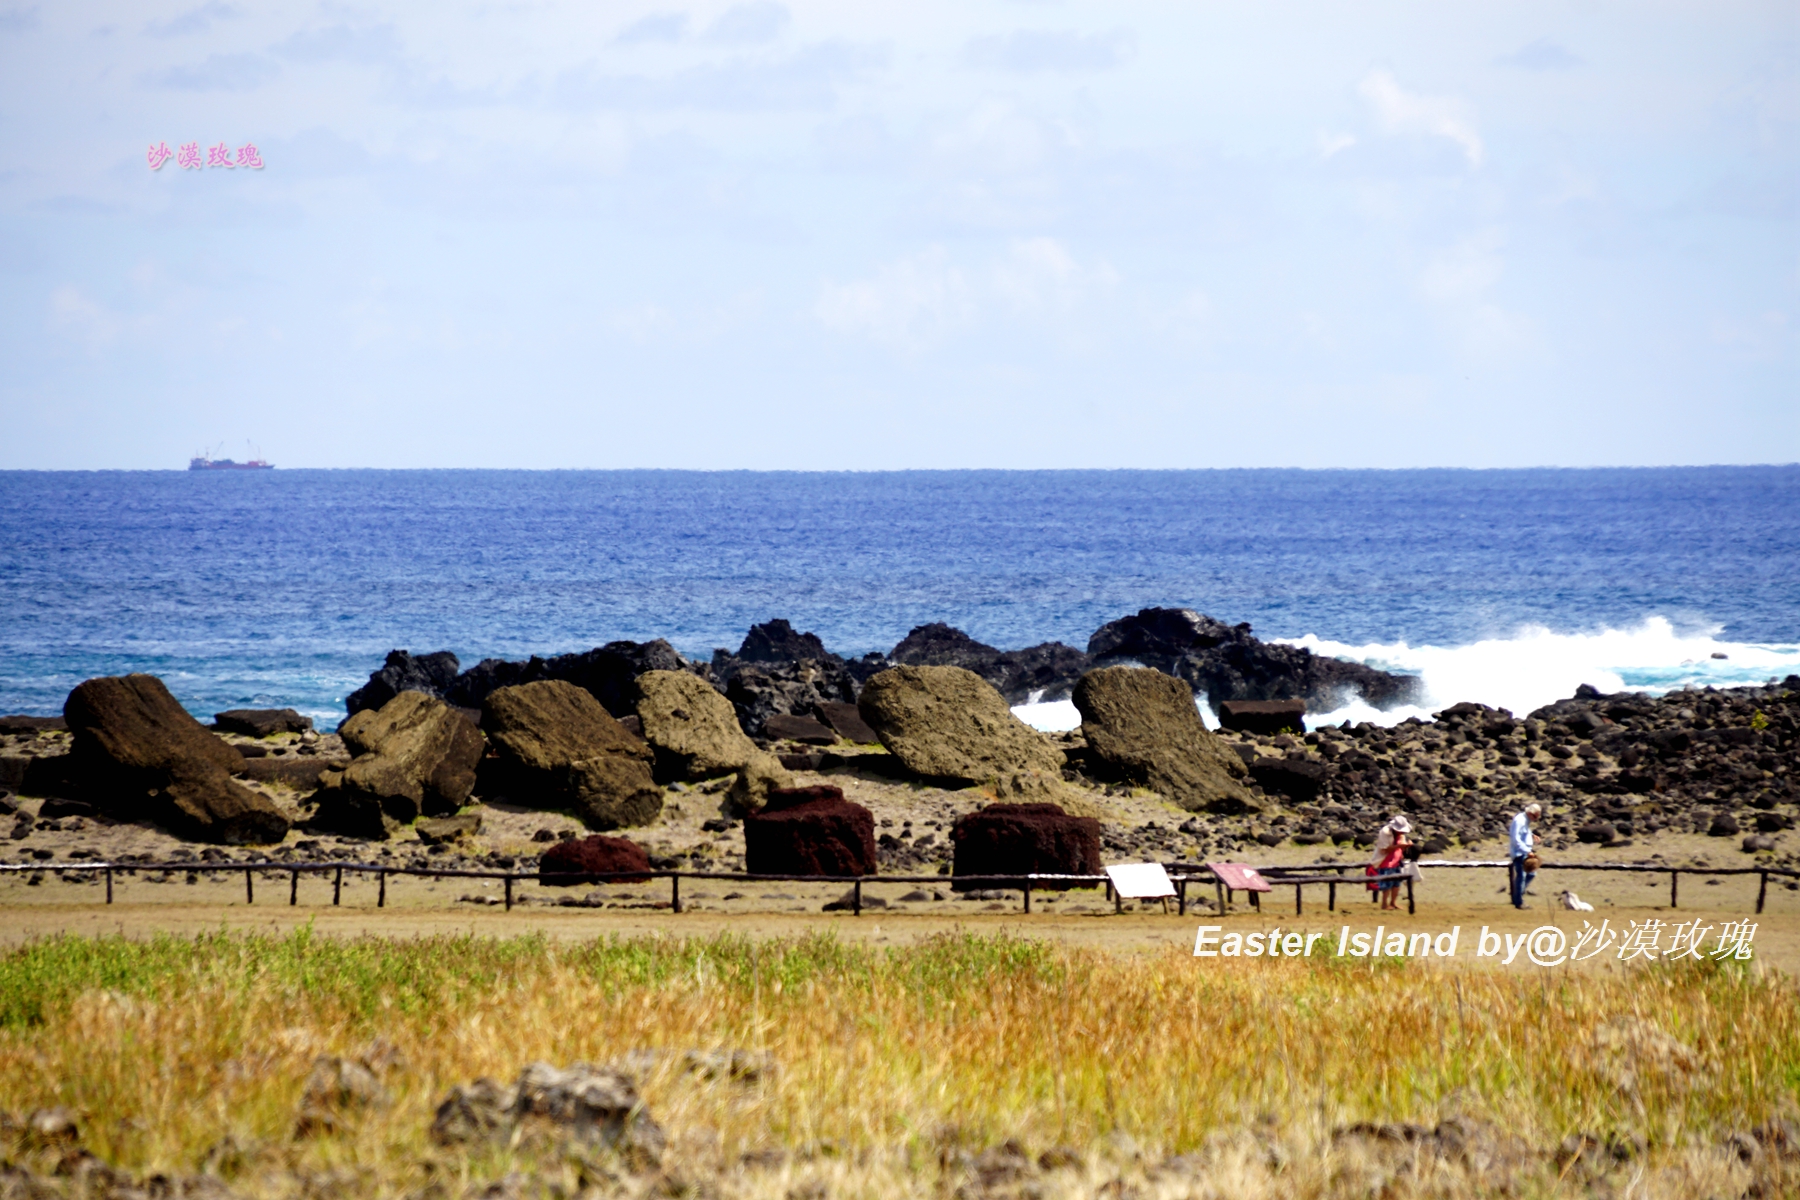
(1520,842)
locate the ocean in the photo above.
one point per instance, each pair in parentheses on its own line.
(286,588)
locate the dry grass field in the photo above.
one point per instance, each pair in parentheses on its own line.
(954,1065)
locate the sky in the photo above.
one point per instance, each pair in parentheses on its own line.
(1302,233)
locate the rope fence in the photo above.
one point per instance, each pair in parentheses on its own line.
(1330,875)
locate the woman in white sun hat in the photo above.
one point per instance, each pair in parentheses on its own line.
(1390,857)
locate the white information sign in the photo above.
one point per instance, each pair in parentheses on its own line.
(1141,881)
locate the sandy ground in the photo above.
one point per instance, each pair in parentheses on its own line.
(181,902)
(1080,919)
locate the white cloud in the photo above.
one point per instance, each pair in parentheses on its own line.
(1026,50)
(75,314)
(916,301)
(909,303)
(1458,283)
(1333,143)
(1541,55)
(1401,111)
(1039,276)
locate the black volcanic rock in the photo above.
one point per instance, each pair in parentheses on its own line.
(609,673)
(776,642)
(405,672)
(1047,671)
(794,689)
(1226,663)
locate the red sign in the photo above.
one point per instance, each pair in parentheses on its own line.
(1238,877)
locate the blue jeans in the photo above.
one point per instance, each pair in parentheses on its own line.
(1521,879)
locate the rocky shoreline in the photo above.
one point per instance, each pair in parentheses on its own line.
(497,764)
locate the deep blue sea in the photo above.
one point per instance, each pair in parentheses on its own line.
(287,587)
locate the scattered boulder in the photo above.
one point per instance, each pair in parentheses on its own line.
(761,692)
(810,831)
(1142,725)
(749,791)
(1758,841)
(846,721)
(597,1106)
(809,730)
(1043,672)
(336,1089)
(440,831)
(1724,825)
(415,756)
(594,1105)
(1020,839)
(136,753)
(1263,716)
(403,671)
(592,859)
(557,747)
(692,729)
(1226,663)
(302,773)
(945,722)
(474,1112)
(261,722)
(20,723)
(1597,833)
(1299,779)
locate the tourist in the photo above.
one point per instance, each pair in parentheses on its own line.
(1390,858)
(1520,848)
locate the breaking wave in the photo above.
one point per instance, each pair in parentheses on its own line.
(1535,667)
(1527,670)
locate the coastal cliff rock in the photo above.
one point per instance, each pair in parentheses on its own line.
(556,747)
(1224,662)
(1043,672)
(404,671)
(415,756)
(137,753)
(692,729)
(1142,724)
(945,722)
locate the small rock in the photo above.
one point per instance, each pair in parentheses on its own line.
(336,1088)
(1597,833)
(52,1127)
(262,722)
(1758,841)
(847,902)
(473,1112)
(1723,825)
(435,831)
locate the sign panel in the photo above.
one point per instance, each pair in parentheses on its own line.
(1239,877)
(1141,881)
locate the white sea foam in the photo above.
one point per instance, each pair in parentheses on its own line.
(1058,716)
(1531,668)
(1535,667)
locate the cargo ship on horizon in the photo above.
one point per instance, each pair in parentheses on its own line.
(204,461)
